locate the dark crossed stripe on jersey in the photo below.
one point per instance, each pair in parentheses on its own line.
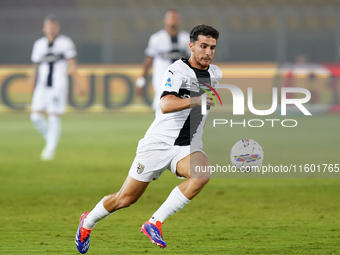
(175,52)
(195,117)
(51,59)
(193,120)
(191,123)
(50,64)
(190,127)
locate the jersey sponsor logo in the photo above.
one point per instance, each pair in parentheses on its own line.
(168,82)
(50,58)
(173,55)
(140,168)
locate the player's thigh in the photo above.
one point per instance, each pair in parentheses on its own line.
(187,167)
(56,101)
(39,99)
(149,168)
(152,159)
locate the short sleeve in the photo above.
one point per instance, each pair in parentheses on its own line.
(35,57)
(172,82)
(151,50)
(70,49)
(217,77)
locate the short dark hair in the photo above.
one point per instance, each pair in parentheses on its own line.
(51,17)
(172,10)
(203,30)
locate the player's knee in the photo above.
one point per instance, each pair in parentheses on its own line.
(36,117)
(201,179)
(201,182)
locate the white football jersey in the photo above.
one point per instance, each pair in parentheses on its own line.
(52,59)
(165,50)
(184,127)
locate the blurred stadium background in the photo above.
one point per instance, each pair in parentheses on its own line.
(258,38)
(263,43)
(117,31)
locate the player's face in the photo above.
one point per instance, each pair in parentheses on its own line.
(202,51)
(51,29)
(172,20)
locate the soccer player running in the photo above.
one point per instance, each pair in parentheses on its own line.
(173,141)
(164,48)
(52,56)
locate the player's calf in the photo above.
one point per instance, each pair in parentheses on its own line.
(40,123)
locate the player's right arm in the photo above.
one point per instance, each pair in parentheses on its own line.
(33,77)
(170,99)
(146,66)
(172,103)
(141,81)
(35,58)
(150,53)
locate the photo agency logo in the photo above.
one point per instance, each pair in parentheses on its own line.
(239,105)
(204,97)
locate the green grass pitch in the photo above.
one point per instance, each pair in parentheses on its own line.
(41,202)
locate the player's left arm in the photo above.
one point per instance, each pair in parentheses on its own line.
(73,70)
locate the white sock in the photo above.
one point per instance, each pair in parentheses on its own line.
(53,133)
(175,202)
(40,123)
(98,213)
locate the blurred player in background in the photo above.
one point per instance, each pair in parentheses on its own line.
(173,141)
(52,56)
(164,47)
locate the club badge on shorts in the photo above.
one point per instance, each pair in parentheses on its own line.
(140,168)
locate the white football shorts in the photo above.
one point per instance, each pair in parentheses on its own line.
(49,99)
(153,157)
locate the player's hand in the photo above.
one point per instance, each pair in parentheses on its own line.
(210,100)
(195,101)
(140,83)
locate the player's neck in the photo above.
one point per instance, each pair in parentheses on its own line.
(172,31)
(51,38)
(196,65)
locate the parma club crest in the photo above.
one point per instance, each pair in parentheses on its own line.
(140,168)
